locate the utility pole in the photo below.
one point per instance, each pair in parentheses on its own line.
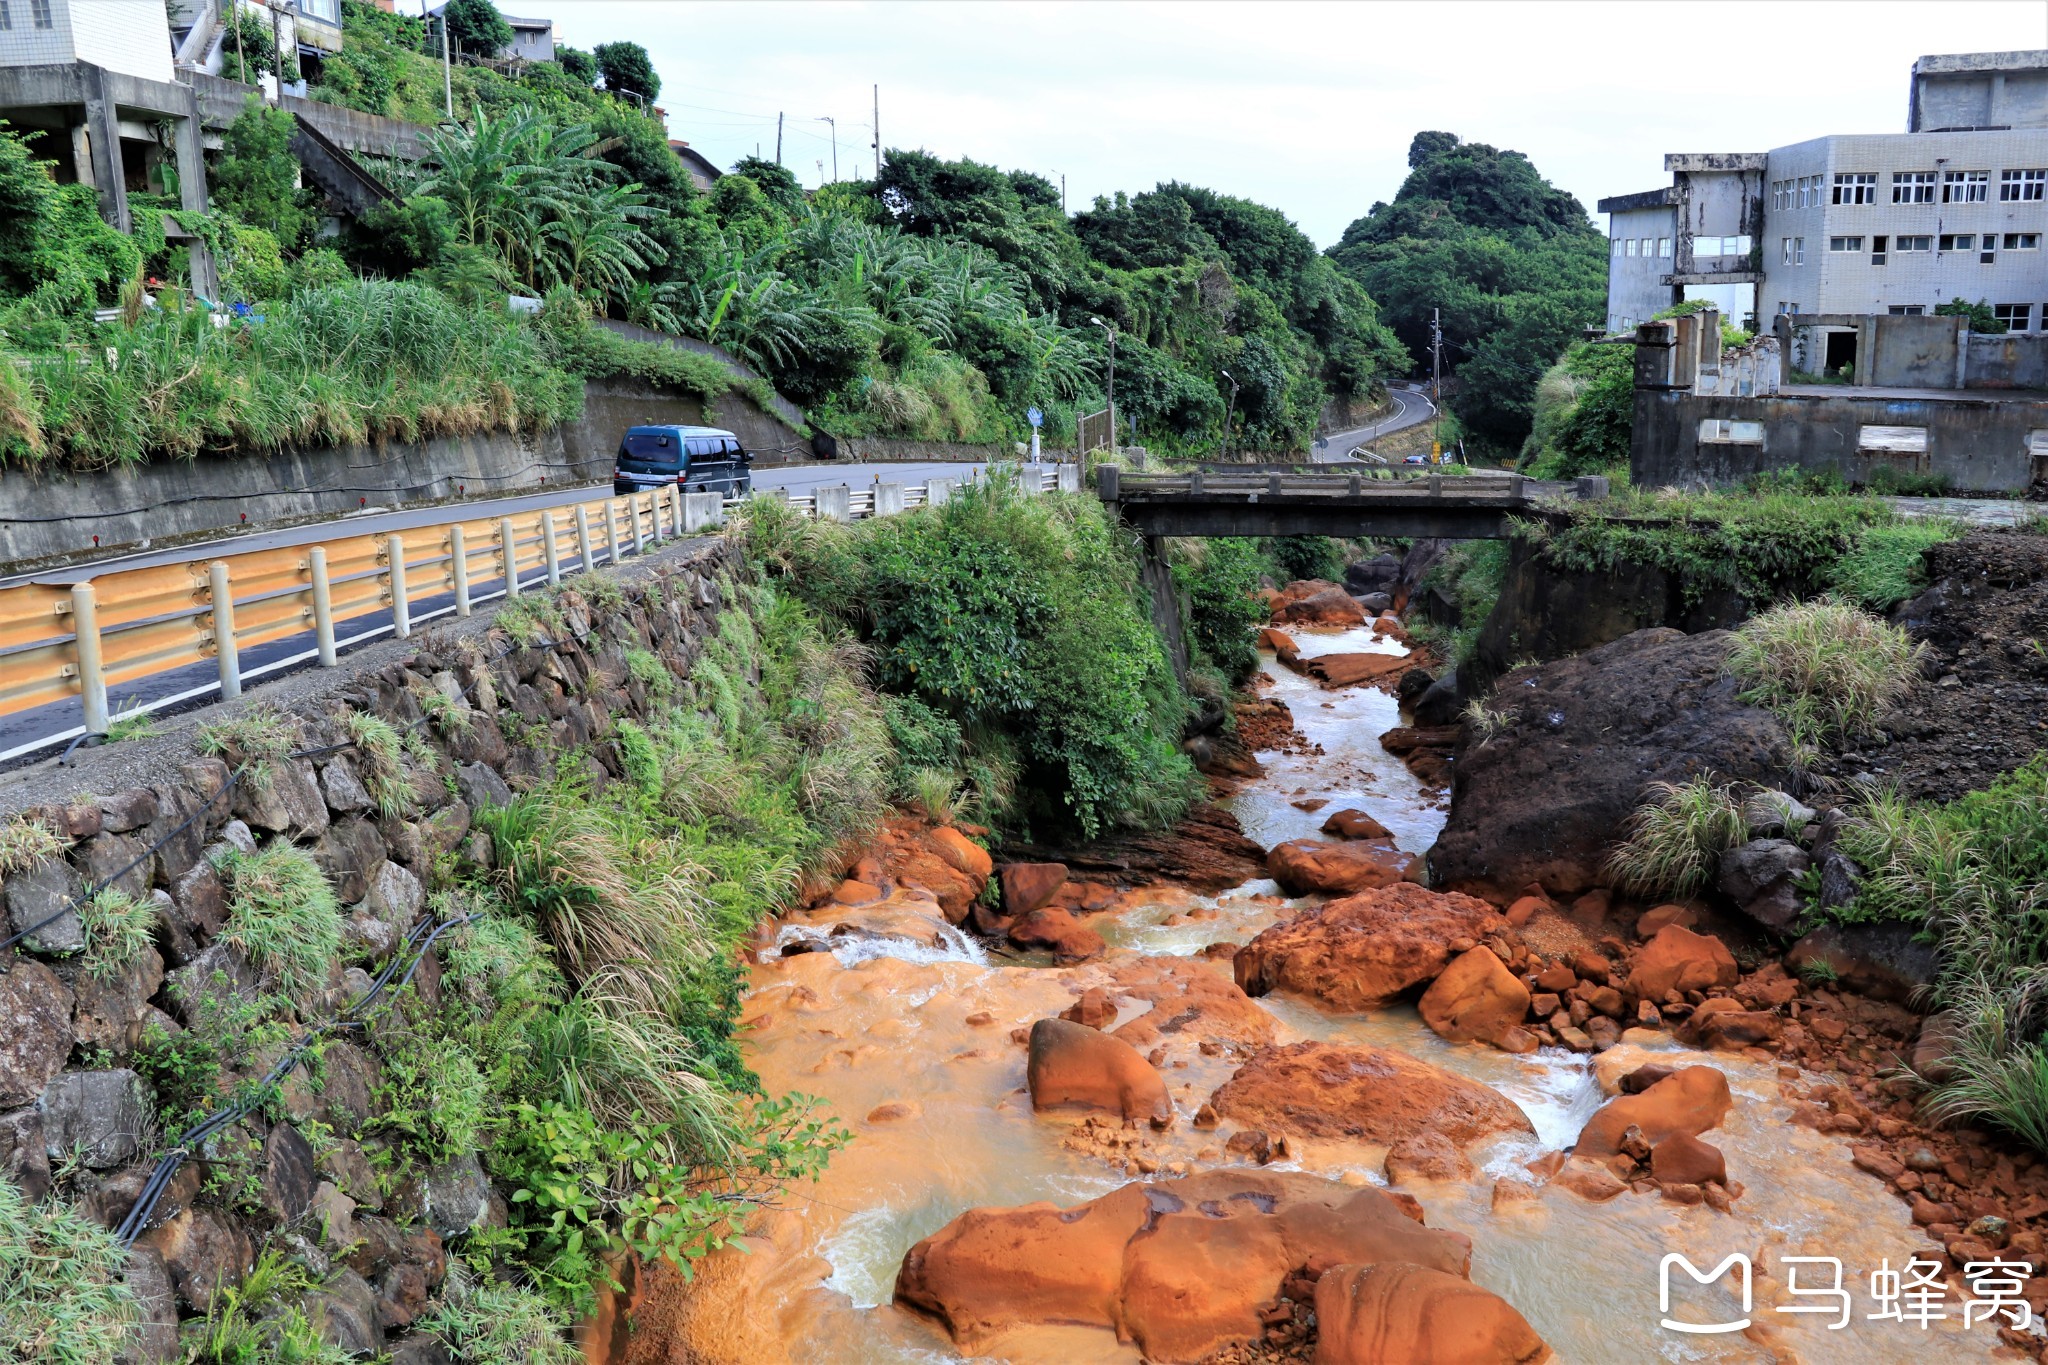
(1112,382)
(277,42)
(835,144)
(1063,193)
(878,132)
(778,137)
(1436,386)
(1228,409)
(447,75)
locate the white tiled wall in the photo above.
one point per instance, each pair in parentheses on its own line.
(132,37)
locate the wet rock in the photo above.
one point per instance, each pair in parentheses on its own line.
(1762,877)
(1351,823)
(1349,670)
(1187,998)
(1679,960)
(1439,704)
(205,1251)
(1305,866)
(1883,961)
(1281,643)
(1363,1094)
(1058,932)
(1476,999)
(101,1116)
(1684,1160)
(1096,1008)
(1426,1156)
(1391,1314)
(38,893)
(1722,1025)
(993,1270)
(1589,1180)
(1317,602)
(1691,1101)
(1364,951)
(1030,886)
(35,1029)
(961,852)
(1073,1065)
(1542,801)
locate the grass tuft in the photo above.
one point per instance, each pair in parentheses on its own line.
(62,1298)
(118,928)
(258,738)
(27,843)
(1675,840)
(283,916)
(1825,667)
(380,751)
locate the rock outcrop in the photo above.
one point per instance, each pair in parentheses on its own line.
(1180,1268)
(1304,866)
(1543,799)
(1689,1101)
(1314,601)
(1392,1314)
(1477,999)
(1364,951)
(1372,1095)
(1072,1065)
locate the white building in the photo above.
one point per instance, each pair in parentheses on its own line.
(1858,223)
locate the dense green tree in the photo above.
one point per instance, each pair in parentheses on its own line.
(256,176)
(626,67)
(476,27)
(577,63)
(25,193)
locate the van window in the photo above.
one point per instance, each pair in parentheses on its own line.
(732,447)
(651,445)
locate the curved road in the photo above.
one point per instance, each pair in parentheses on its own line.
(1412,408)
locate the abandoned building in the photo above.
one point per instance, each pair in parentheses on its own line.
(1870,223)
(1943,407)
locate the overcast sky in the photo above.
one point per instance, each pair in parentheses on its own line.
(1306,107)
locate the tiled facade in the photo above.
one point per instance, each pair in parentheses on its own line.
(132,37)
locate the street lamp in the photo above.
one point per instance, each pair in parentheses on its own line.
(827,118)
(1230,408)
(1112,382)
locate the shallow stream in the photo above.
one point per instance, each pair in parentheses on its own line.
(929,1032)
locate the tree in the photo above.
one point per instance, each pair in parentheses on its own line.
(248,48)
(1982,320)
(577,63)
(627,68)
(25,193)
(476,26)
(256,178)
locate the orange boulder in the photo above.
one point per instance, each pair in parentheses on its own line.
(1690,1101)
(1316,602)
(1393,1314)
(1477,999)
(1280,642)
(1677,959)
(1059,932)
(1362,1094)
(1072,1064)
(1350,823)
(1365,951)
(1031,886)
(1302,866)
(1684,1160)
(962,853)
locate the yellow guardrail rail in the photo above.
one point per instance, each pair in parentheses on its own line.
(59,642)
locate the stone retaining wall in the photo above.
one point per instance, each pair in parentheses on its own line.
(70,1088)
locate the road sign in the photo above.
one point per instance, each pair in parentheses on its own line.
(1034,416)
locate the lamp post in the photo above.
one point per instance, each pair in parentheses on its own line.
(1112,382)
(827,118)
(1228,409)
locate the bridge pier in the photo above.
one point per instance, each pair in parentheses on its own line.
(1166,613)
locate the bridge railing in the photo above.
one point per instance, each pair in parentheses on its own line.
(74,635)
(1492,488)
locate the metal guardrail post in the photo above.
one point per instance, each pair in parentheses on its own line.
(583,561)
(92,673)
(549,551)
(221,598)
(508,555)
(401,606)
(323,604)
(639,536)
(458,569)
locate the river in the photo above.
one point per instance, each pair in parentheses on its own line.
(912,1047)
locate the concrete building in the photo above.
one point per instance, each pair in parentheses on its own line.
(1956,207)
(703,174)
(533,40)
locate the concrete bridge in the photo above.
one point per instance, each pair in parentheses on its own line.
(1253,502)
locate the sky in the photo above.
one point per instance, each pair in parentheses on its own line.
(1306,107)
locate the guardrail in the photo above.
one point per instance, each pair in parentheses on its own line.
(61,641)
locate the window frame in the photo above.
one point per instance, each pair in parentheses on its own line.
(2025,185)
(1861,185)
(1914,187)
(1975,187)
(2021,241)
(2004,313)
(1848,245)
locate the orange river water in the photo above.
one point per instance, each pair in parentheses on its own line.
(888,1024)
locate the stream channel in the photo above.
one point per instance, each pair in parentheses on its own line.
(929,1032)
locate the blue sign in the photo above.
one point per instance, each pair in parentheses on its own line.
(1034,416)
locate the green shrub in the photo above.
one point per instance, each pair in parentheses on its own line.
(1887,564)
(1826,668)
(486,1321)
(62,1297)
(1675,839)
(1216,579)
(283,916)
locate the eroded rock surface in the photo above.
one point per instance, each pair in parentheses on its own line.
(1363,1094)
(1367,950)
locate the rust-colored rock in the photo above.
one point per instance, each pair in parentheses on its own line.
(1351,823)
(1367,950)
(1682,1159)
(1722,1025)
(1094,1009)
(1392,1314)
(1677,959)
(1280,642)
(1426,1156)
(1363,1094)
(962,853)
(1031,886)
(1214,1249)
(1689,1101)
(723,1314)
(1074,1065)
(1058,931)
(1187,997)
(1350,670)
(1316,602)
(1303,866)
(1477,999)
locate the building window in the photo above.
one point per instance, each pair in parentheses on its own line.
(1811,198)
(2022,241)
(1906,310)
(1856,188)
(6,19)
(1632,246)
(1723,430)
(1958,241)
(1877,245)
(39,13)
(1617,246)
(1845,244)
(2017,317)
(2021,186)
(1920,243)
(1965,187)
(1663,246)
(1913,187)
(1875,440)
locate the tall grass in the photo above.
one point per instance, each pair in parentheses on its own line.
(283,915)
(62,1299)
(1825,667)
(1675,839)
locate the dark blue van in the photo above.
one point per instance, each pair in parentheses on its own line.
(702,459)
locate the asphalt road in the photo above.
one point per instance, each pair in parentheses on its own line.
(799,480)
(31,735)
(1412,407)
